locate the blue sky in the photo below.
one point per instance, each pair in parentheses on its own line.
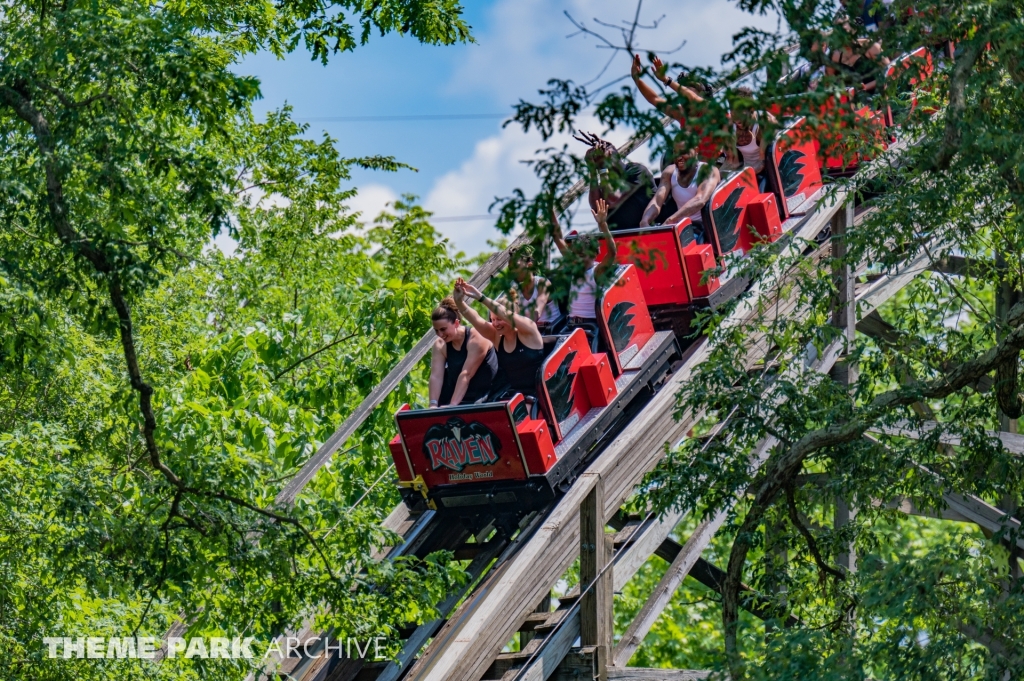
(464,164)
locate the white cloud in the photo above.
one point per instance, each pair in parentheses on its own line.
(494,170)
(371,200)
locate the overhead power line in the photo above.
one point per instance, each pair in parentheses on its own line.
(412,117)
(463,218)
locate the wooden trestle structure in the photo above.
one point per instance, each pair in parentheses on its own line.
(512,578)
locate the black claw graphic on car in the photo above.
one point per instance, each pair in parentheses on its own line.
(726,216)
(791,171)
(560,388)
(619,325)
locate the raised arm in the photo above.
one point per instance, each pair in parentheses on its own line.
(556,233)
(482,325)
(648,93)
(475,353)
(661,73)
(658,200)
(703,195)
(601,215)
(524,326)
(595,178)
(437,360)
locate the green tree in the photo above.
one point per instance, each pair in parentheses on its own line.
(156,395)
(929,600)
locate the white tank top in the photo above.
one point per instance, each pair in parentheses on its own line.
(583,296)
(683,194)
(751,153)
(550,314)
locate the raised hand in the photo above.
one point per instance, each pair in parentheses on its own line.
(660,71)
(457,293)
(469,290)
(600,212)
(637,67)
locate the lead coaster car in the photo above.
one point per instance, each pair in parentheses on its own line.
(499,457)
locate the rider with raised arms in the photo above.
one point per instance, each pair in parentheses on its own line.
(463,364)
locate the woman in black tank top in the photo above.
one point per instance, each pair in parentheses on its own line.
(462,364)
(520,346)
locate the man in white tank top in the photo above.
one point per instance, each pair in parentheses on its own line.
(691,184)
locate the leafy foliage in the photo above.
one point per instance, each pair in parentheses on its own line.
(157,394)
(929,599)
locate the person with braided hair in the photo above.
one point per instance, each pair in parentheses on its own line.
(625,186)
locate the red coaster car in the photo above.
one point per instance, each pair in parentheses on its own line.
(497,455)
(676,274)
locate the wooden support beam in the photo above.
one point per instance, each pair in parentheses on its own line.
(1006,298)
(873,326)
(1012,442)
(471,551)
(643,542)
(595,565)
(708,574)
(989,518)
(984,514)
(662,594)
(874,294)
(580,664)
(713,577)
(908,507)
(961,266)
(542,614)
(844,317)
(640,674)
(423,633)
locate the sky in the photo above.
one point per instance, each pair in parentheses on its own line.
(462,165)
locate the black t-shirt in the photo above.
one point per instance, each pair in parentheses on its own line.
(629,213)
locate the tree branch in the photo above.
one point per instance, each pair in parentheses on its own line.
(70,103)
(19,101)
(1007,394)
(794,517)
(313,354)
(288,520)
(781,469)
(957,103)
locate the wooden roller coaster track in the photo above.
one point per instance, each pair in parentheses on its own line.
(511,577)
